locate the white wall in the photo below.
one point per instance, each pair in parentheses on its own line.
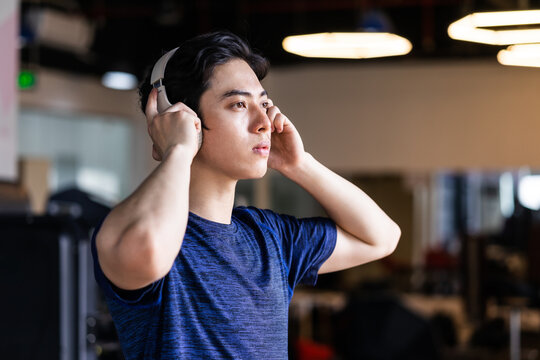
(414,115)
(395,116)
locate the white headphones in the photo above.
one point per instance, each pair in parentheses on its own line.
(156,80)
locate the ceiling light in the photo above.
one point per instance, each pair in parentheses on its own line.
(476,27)
(529,192)
(357,45)
(520,55)
(119,80)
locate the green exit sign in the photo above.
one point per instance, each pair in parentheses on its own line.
(26,80)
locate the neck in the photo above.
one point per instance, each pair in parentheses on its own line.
(211,196)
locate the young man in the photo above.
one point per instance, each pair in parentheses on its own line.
(187,276)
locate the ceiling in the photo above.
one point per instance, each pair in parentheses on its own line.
(136,32)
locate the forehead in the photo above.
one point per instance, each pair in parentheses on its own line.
(234,74)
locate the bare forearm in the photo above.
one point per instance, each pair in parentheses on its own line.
(161,200)
(151,222)
(345,203)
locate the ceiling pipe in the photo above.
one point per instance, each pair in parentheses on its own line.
(428,25)
(283,6)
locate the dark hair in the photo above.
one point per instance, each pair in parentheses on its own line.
(188,72)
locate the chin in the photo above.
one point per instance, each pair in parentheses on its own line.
(256,173)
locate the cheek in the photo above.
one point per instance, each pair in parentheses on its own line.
(227,133)
(221,144)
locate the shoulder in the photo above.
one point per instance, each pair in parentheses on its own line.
(280,225)
(260,216)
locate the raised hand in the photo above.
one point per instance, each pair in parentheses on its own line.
(287,148)
(178,125)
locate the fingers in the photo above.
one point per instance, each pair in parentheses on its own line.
(272,112)
(151,110)
(277,119)
(180,106)
(198,124)
(176,125)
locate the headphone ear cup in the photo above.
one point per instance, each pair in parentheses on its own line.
(163,104)
(200,139)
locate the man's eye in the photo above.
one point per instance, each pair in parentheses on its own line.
(240,105)
(266,104)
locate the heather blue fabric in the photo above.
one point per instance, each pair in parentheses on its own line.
(228,292)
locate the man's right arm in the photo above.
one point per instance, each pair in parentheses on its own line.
(140,238)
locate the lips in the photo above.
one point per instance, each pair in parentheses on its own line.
(262,148)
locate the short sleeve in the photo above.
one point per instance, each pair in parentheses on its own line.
(147,296)
(306,244)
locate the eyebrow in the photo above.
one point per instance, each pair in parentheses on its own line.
(236,92)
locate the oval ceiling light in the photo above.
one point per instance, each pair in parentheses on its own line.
(119,80)
(482,27)
(356,45)
(520,55)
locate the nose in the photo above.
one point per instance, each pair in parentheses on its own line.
(260,123)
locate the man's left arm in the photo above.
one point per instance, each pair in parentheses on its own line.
(364,231)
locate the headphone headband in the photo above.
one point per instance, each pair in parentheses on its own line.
(158,72)
(156,80)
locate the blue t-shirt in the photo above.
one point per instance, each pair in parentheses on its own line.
(228,291)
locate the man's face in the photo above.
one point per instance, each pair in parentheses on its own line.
(237,142)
